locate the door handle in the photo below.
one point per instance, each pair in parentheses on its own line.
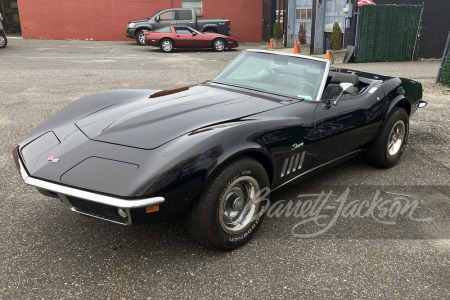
(178,36)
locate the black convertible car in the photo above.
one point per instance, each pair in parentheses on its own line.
(211,152)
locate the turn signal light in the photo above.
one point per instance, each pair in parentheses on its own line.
(152,208)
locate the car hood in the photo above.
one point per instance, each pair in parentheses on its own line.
(148,123)
(139,21)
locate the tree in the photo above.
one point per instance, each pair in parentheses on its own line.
(277,31)
(336,37)
(302,34)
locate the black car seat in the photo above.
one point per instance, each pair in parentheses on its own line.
(333,89)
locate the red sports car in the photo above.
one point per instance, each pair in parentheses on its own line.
(171,37)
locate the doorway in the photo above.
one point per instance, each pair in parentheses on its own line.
(303,15)
(10,13)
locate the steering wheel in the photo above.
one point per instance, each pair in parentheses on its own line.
(308,86)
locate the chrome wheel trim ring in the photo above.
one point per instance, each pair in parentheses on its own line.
(396,138)
(2,41)
(166,45)
(142,38)
(237,207)
(219,45)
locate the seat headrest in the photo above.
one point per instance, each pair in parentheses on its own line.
(345,77)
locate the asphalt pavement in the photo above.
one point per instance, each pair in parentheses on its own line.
(398,251)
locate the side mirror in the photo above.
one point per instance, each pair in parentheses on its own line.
(194,33)
(346,87)
(157,19)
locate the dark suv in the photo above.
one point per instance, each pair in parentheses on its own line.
(176,16)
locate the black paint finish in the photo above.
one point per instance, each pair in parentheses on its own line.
(125,144)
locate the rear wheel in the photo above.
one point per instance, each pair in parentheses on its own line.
(229,210)
(388,147)
(167,45)
(140,38)
(219,44)
(3,40)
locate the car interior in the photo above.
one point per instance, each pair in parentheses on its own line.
(333,90)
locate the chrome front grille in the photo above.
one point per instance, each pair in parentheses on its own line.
(96,210)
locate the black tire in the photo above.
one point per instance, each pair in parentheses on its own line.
(3,40)
(210,30)
(213,219)
(140,38)
(388,146)
(219,44)
(167,45)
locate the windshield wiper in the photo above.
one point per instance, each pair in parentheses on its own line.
(259,91)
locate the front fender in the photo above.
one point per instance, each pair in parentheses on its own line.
(144,27)
(179,170)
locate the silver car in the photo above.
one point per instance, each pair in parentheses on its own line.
(3,39)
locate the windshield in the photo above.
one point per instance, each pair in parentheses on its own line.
(186,30)
(166,29)
(194,30)
(291,76)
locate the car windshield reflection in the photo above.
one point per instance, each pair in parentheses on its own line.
(292,76)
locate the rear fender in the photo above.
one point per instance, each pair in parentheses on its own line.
(400,101)
(210,26)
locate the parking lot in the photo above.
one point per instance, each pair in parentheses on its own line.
(48,252)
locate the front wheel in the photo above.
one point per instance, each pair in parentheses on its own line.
(388,147)
(230,208)
(140,38)
(219,45)
(3,40)
(167,45)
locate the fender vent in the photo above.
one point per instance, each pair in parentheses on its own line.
(293,163)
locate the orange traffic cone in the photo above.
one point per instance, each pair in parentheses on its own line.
(271,44)
(296,50)
(330,56)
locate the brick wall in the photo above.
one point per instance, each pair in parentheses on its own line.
(106,20)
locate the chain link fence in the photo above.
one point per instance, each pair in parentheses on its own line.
(388,32)
(445,77)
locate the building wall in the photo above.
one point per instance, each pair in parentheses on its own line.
(106,20)
(246,17)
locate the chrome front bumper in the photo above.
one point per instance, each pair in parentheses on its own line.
(72,197)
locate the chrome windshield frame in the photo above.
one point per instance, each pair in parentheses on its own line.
(325,75)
